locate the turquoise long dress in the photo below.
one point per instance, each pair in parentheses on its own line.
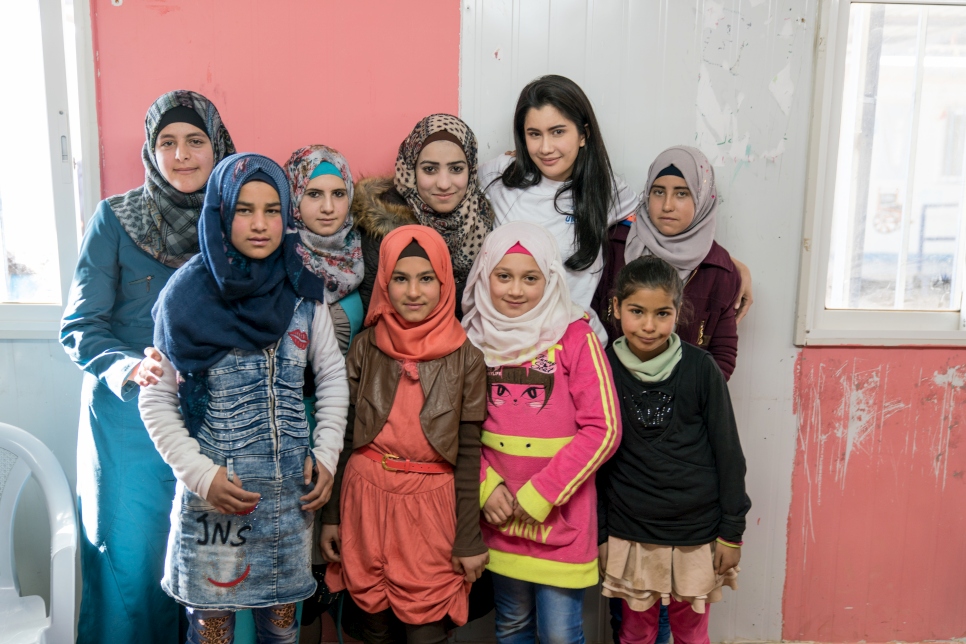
(124,489)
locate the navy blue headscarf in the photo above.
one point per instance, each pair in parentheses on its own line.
(220,299)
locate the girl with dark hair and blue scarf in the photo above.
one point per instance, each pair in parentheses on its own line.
(236,327)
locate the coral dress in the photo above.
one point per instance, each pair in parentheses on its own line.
(398,528)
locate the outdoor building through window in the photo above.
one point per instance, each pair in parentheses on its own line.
(884,243)
(29,269)
(49,119)
(898,213)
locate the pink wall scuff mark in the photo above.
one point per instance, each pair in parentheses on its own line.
(353,75)
(878,514)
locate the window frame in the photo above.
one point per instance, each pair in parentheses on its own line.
(42,321)
(815,324)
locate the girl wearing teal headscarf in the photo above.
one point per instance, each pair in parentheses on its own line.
(329,246)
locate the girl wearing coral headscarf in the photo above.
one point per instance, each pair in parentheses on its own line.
(417,391)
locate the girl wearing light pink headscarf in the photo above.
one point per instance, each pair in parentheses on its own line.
(552,421)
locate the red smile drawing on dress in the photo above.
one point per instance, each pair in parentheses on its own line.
(233,582)
(300,338)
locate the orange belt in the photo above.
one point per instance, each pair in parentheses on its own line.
(393,463)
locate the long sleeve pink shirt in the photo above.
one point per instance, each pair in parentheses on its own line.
(551,423)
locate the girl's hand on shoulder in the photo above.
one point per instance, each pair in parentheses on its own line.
(323,486)
(229,497)
(471,567)
(745,298)
(522,515)
(331,543)
(499,507)
(149,371)
(602,558)
(725,558)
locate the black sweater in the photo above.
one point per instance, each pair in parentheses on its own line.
(678,477)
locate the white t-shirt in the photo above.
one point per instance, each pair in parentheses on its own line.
(536,205)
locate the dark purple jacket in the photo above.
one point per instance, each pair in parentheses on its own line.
(709,297)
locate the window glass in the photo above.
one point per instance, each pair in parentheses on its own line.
(29,271)
(897,224)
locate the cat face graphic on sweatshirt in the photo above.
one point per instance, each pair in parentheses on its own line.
(526,387)
(533,396)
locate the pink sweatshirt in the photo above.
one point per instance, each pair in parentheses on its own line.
(551,423)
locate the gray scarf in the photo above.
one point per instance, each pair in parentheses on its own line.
(162,220)
(687,249)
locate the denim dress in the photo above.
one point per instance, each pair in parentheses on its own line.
(255,427)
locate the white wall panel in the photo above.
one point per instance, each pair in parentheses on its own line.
(39,392)
(734,79)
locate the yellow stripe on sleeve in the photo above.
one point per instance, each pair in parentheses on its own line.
(489,484)
(610,425)
(533,502)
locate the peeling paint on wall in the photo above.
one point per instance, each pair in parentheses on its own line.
(783,89)
(733,125)
(878,513)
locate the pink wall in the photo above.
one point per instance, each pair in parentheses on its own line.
(877,527)
(352,74)
(878,516)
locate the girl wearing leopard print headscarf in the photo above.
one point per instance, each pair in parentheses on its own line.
(435,185)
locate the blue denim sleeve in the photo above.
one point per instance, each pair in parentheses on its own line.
(85,330)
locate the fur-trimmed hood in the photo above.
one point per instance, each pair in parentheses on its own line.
(376,215)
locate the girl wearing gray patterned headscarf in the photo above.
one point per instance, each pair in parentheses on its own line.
(161,216)
(134,242)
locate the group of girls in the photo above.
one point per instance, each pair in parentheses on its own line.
(405,380)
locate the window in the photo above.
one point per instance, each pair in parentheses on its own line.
(39,167)
(887,188)
(955,144)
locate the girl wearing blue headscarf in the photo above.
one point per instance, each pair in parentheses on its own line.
(235,332)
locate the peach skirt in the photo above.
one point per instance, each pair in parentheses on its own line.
(643,573)
(397,541)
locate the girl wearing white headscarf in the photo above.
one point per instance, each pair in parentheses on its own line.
(552,421)
(506,340)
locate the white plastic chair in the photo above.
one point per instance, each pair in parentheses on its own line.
(24,620)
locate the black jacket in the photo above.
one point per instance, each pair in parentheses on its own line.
(678,477)
(377,209)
